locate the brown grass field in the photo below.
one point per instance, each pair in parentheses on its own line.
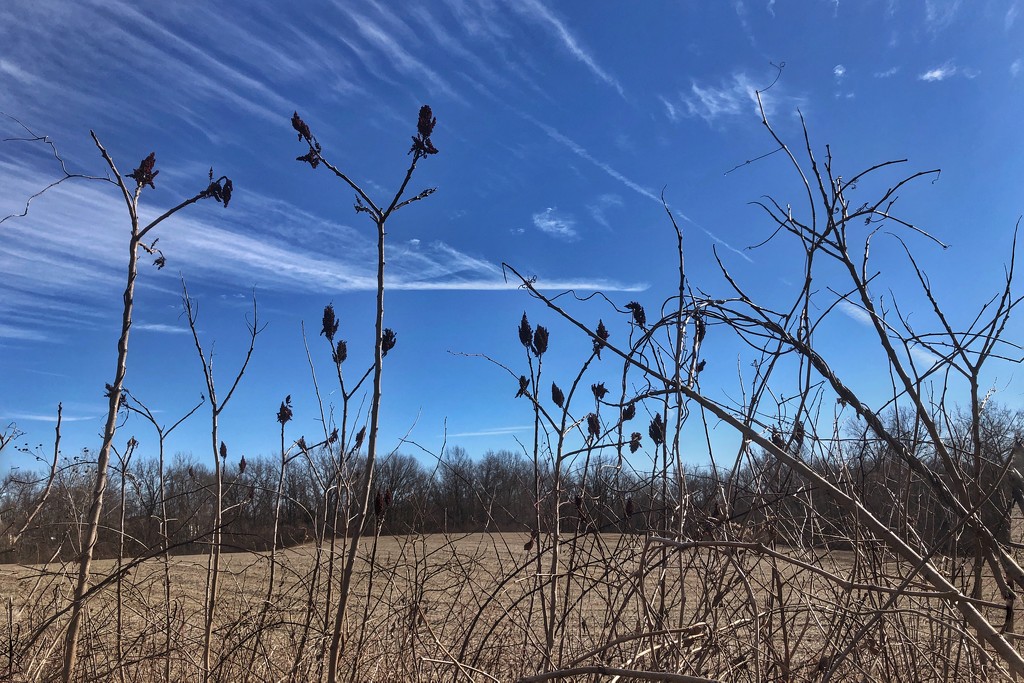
(477,607)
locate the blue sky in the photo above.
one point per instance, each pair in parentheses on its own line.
(558,126)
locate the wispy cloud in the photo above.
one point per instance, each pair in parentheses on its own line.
(855,313)
(639,189)
(1015,68)
(1011,16)
(939,14)
(839,71)
(740,8)
(399,57)
(888,73)
(600,206)
(735,96)
(946,71)
(537,11)
(17,72)
(62,261)
(550,222)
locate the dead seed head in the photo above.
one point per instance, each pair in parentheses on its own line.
(301,443)
(525,332)
(144,174)
(593,426)
(388,341)
(602,338)
(223,450)
(629,507)
(425,126)
(220,189)
(340,352)
(421,144)
(599,390)
(798,435)
(524,386)
(284,413)
(330,327)
(540,341)
(657,430)
(333,438)
(301,128)
(241,465)
(634,442)
(639,316)
(360,435)
(629,412)
(557,396)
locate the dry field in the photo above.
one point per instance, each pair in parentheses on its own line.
(477,607)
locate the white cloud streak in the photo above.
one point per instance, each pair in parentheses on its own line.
(494,431)
(540,13)
(60,264)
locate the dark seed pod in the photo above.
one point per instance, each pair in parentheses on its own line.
(360,435)
(333,438)
(540,341)
(593,425)
(777,439)
(629,507)
(634,442)
(330,321)
(602,337)
(599,390)
(657,430)
(301,128)
(340,352)
(798,436)
(525,333)
(301,443)
(388,341)
(524,386)
(284,413)
(629,412)
(378,504)
(241,465)
(223,450)
(639,316)
(557,396)
(426,123)
(144,174)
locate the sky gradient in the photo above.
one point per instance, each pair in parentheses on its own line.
(559,126)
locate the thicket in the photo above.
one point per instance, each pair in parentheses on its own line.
(844,537)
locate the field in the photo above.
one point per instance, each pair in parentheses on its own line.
(472,607)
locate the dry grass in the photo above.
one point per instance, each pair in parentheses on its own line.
(448,607)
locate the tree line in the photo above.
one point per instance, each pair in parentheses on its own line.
(498,491)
